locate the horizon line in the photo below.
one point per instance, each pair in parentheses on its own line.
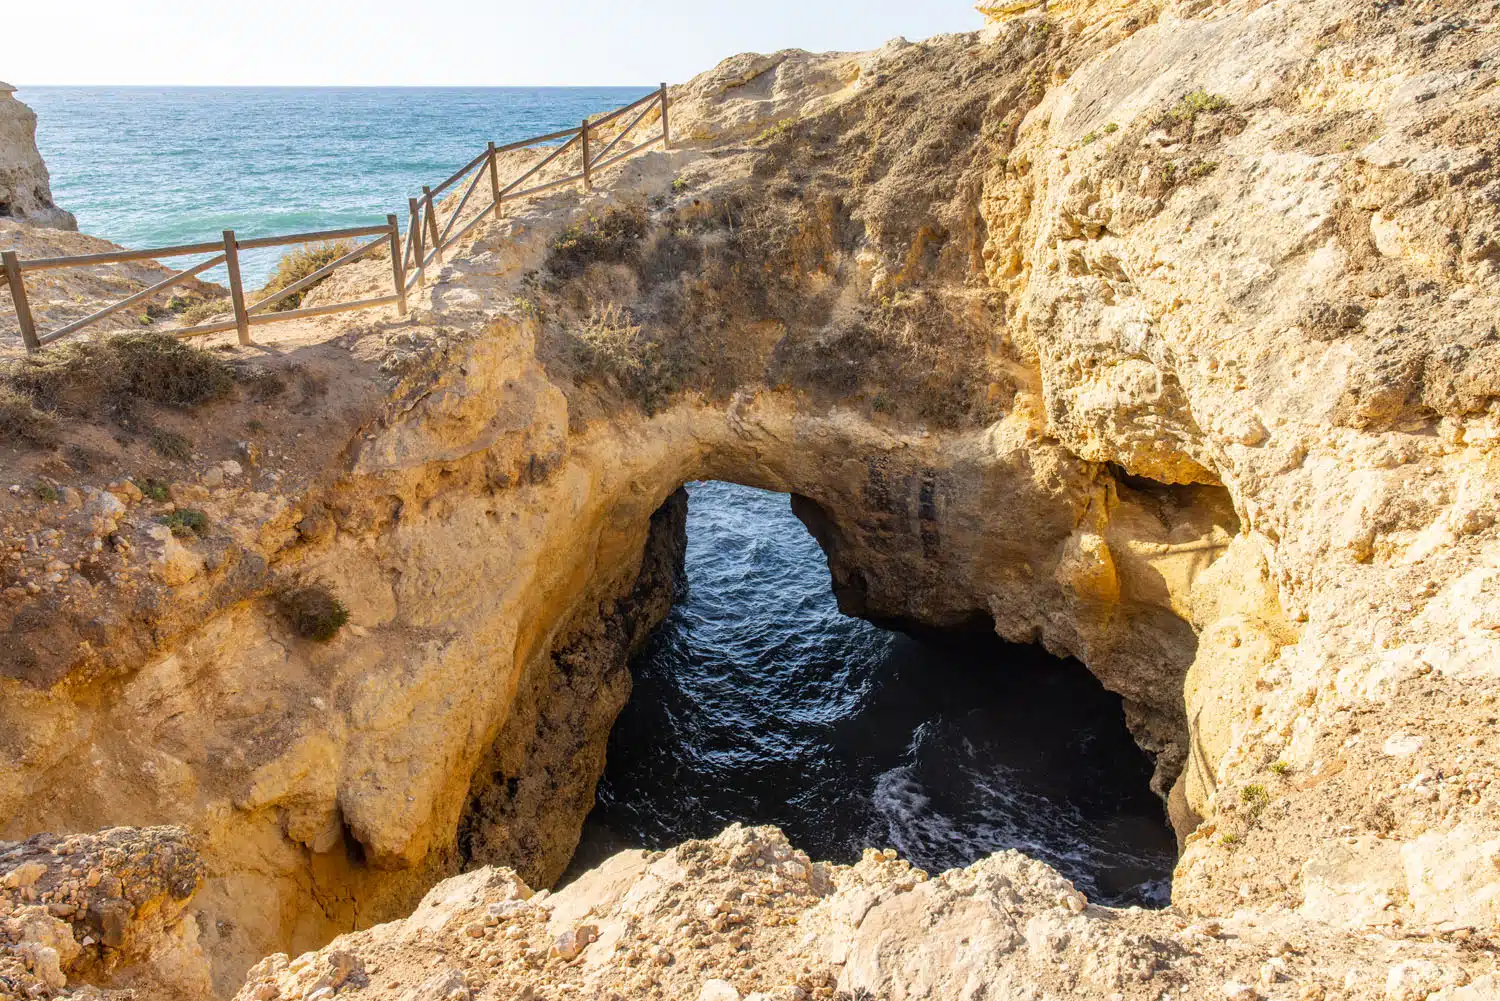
(344,86)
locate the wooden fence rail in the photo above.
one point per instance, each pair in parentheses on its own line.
(426,236)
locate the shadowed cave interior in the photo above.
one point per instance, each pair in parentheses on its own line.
(757,701)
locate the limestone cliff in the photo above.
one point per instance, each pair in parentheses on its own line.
(1161,334)
(25,187)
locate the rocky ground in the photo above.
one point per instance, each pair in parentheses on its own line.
(1159,333)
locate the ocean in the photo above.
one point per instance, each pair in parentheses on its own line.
(757,701)
(157,166)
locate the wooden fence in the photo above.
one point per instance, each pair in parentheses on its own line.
(430,232)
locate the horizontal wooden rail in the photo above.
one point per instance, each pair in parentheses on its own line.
(129,301)
(320,274)
(119,256)
(426,239)
(336,307)
(205,328)
(534,140)
(327,234)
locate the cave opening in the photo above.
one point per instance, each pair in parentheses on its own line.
(758,701)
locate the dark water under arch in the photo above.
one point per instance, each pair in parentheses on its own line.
(757,701)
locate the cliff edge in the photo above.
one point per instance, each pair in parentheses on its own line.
(25,187)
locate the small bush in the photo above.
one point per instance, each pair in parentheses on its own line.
(1194,104)
(1255,797)
(150,366)
(1110,129)
(22,422)
(608,239)
(185,521)
(1091,138)
(1201,169)
(311,609)
(775,132)
(298,265)
(171,445)
(205,311)
(610,345)
(1280,767)
(153,489)
(46,493)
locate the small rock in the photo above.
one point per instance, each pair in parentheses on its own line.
(718,990)
(1402,745)
(569,944)
(1240,992)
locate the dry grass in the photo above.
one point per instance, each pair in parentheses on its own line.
(81,378)
(608,239)
(311,608)
(22,422)
(297,265)
(205,311)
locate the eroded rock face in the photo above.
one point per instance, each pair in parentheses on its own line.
(105,907)
(746,915)
(1183,366)
(25,187)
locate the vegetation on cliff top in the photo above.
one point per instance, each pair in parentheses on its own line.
(106,377)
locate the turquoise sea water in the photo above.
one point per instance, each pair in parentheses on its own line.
(156,166)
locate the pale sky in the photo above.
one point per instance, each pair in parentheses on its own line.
(450,43)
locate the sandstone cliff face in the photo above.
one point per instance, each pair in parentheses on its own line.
(25,187)
(1182,365)
(111,905)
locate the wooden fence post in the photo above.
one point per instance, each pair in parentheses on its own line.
(666,135)
(437,250)
(495,178)
(18,296)
(414,237)
(588,184)
(236,287)
(397,272)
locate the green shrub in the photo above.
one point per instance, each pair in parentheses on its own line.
(1255,797)
(185,521)
(1194,104)
(311,608)
(152,489)
(171,445)
(46,493)
(608,239)
(775,132)
(1280,767)
(297,265)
